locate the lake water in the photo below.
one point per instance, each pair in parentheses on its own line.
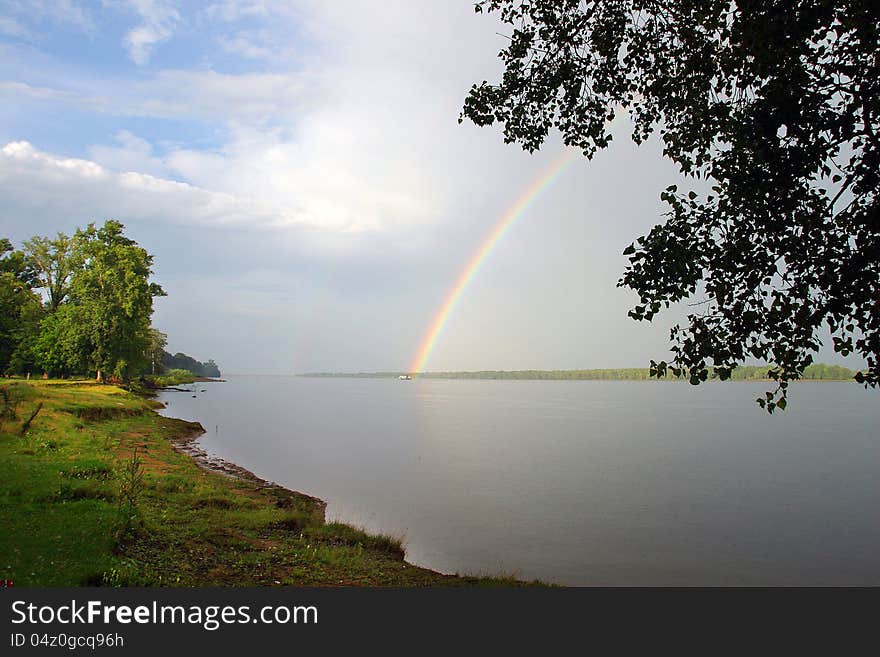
(575,482)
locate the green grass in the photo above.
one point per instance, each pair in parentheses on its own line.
(62,524)
(169,378)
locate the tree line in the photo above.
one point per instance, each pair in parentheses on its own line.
(180,361)
(81,305)
(815,372)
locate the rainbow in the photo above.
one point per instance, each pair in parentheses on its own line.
(514,212)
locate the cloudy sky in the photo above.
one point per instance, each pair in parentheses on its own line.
(299,173)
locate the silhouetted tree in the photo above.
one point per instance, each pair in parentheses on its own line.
(776,104)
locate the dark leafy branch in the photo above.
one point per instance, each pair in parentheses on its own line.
(775,104)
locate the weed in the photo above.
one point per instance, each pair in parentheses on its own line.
(131,485)
(171,484)
(112,578)
(72,492)
(342,534)
(89,470)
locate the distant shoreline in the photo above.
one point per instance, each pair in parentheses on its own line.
(756,373)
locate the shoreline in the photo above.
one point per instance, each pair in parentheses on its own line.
(195,519)
(551,378)
(187,443)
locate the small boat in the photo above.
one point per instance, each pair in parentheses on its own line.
(405,377)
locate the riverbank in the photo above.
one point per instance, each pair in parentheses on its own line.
(99,489)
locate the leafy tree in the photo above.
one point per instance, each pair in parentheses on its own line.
(19,319)
(777,106)
(19,307)
(62,345)
(54,261)
(15,263)
(156,350)
(181,361)
(114,298)
(22,359)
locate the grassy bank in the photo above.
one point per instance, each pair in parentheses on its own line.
(93,493)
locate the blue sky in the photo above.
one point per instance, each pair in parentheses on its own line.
(74,52)
(298,171)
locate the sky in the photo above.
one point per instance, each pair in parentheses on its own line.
(298,171)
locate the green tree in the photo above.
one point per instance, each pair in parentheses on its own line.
(776,105)
(19,308)
(114,299)
(54,261)
(22,360)
(16,263)
(181,361)
(19,319)
(63,345)
(156,351)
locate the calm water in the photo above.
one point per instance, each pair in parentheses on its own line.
(576,482)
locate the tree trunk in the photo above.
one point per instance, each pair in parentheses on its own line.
(98,377)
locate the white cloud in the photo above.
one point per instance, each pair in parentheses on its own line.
(357,138)
(209,95)
(236,10)
(129,153)
(159,21)
(17,90)
(339,178)
(260,44)
(248,43)
(349,168)
(68,12)
(35,181)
